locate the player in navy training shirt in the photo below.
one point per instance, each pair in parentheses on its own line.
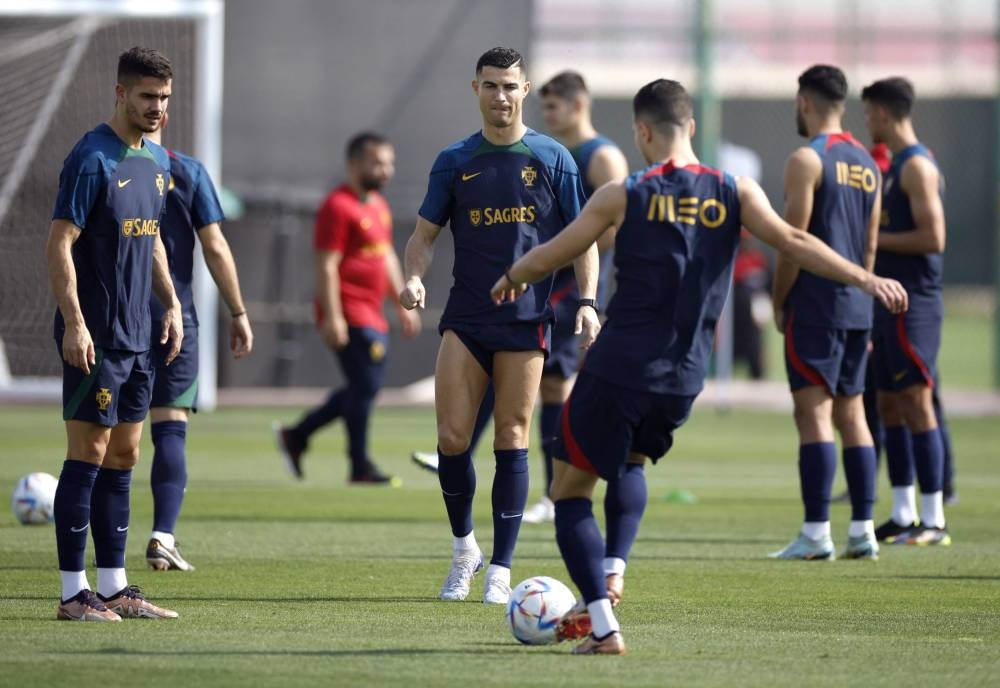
(193,212)
(678,229)
(910,249)
(831,191)
(105,256)
(503,190)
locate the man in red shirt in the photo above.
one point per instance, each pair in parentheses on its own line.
(356,268)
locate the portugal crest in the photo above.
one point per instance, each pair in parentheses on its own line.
(160,183)
(103,398)
(376,351)
(528,175)
(475,216)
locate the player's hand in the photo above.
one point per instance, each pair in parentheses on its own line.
(587,324)
(410,321)
(334,332)
(413,294)
(172,330)
(505,290)
(240,336)
(78,347)
(890,292)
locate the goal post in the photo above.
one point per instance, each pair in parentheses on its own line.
(57,66)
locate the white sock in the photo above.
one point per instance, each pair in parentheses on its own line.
(932,509)
(859,528)
(166,539)
(110,581)
(816,530)
(467,542)
(73,582)
(614,565)
(602,619)
(502,572)
(904,505)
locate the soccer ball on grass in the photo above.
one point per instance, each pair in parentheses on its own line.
(33,498)
(535,608)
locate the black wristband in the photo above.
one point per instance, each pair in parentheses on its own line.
(589,302)
(236,315)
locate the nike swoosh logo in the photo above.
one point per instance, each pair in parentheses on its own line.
(467,177)
(505,515)
(899,376)
(451,494)
(121,530)
(122,183)
(80,529)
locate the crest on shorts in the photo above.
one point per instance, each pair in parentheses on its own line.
(528,175)
(475,216)
(376,351)
(159,182)
(103,398)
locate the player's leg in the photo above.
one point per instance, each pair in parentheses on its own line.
(460,380)
(928,457)
(899,460)
(363,362)
(624,505)
(950,493)
(516,376)
(858,458)
(553,391)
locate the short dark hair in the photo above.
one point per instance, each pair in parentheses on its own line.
(566,85)
(826,81)
(356,146)
(138,62)
(663,102)
(895,93)
(501,58)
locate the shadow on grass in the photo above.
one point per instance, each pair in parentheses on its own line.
(944,577)
(486,648)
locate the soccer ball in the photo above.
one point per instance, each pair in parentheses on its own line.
(535,608)
(33,499)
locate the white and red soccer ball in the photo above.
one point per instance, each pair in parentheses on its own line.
(536,606)
(34,498)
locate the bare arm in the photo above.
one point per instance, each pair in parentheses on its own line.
(920,180)
(409,319)
(221,265)
(77,345)
(760,219)
(333,325)
(172,325)
(803,173)
(608,164)
(417,259)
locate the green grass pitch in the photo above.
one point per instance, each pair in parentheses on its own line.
(316,583)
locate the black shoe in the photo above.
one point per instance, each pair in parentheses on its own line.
(290,449)
(373,476)
(890,530)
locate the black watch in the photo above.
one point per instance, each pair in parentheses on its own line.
(589,302)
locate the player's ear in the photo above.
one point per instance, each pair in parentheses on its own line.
(120,91)
(692,128)
(475,86)
(527,87)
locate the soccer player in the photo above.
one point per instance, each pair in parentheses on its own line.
(910,249)
(105,256)
(193,210)
(503,190)
(831,191)
(678,229)
(356,269)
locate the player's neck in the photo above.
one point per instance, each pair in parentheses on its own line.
(830,126)
(681,154)
(358,190)
(902,136)
(578,135)
(504,136)
(132,136)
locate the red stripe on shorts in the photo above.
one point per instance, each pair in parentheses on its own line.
(800,366)
(911,353)
(576,456)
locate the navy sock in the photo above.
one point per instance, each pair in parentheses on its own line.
(510,492)
(168,476)
(109,514)
(72,512)
(582,546)
(859,469)
(482,418)
(549,427)
(457,478)
(928,457)
(624,504)
(331,409)
(817,466)
(899,455)
(357,410)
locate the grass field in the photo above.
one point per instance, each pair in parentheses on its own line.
(315,583)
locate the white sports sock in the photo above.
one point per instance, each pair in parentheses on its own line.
(614,565)
(110,581)
(166,539)
(904,505)
(859,528)
(932,509)
(602,619)
(73,582)
(467,542)
(816,530)
(502,572)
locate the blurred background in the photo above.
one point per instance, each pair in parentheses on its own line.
(267,93)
